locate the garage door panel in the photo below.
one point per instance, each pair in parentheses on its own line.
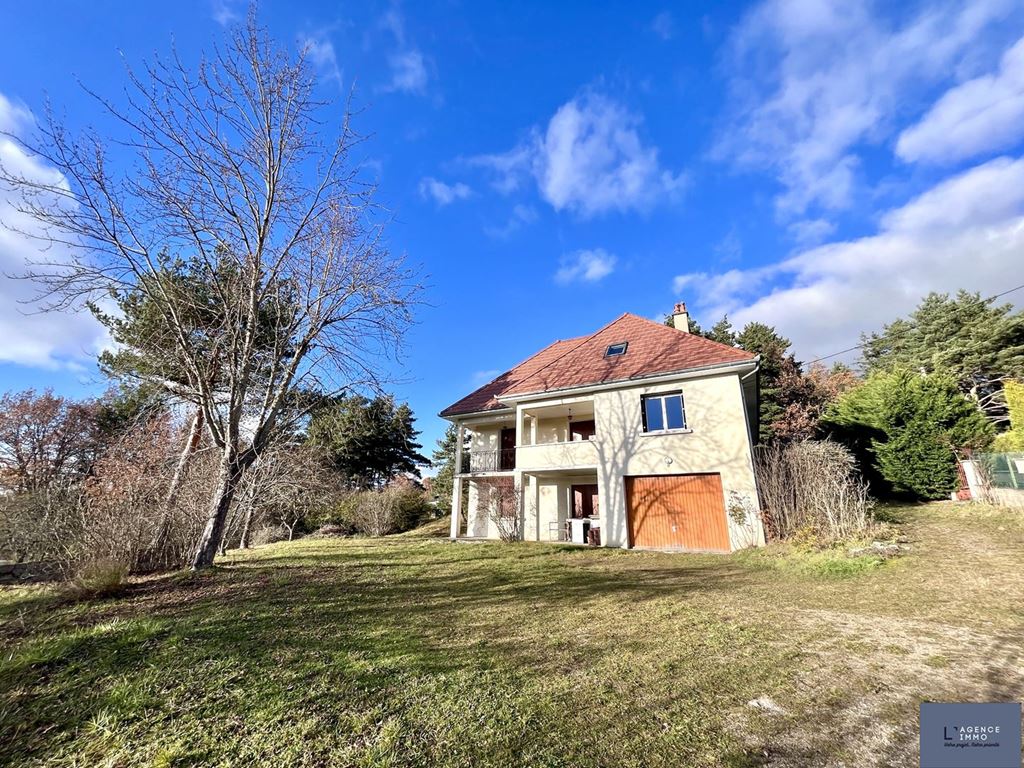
(677,511)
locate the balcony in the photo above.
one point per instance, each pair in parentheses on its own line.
(561,455)
(502,460)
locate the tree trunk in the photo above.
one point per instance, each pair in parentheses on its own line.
(220,504)
(246,525)
(195,433)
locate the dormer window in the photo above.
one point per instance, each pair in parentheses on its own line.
(617,349)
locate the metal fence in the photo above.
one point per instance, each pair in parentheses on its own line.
(996,478)
(1003,470)
(503,460)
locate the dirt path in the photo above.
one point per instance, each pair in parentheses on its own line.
(866,672)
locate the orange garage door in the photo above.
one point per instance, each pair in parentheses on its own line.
(677,511)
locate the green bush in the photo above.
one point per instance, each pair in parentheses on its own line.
(906,428)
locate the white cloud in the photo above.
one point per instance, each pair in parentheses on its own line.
(815,81)
(50,340)
(982,115)
(966,232)
(729,248)
(589,266)
(811,231)
(408,72)
(590,159)
(664,25)
(442,193)
(408,66)
(510,168)
(520,217)
(320,51)
(225,12)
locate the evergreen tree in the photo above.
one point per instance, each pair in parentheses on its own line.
(765,341)
(978,343)
(444,459)
(906,429)
(369,442)
(722,332)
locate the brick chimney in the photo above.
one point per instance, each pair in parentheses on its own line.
(680,319)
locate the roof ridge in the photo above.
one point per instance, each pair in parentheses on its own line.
(698,336)
(585,339)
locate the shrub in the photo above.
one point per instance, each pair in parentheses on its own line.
(906,430)
(270,534)
(392,509)
(1012,441)
(811,489)
(503,500)
(101,577)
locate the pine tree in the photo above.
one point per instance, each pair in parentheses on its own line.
(444,459)
(765,341)
(722,332)
(978,343)
(368,442)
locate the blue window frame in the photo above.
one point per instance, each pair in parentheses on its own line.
(663,412)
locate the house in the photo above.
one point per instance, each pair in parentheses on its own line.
(637,435)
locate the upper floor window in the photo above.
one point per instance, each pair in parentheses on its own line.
(663,411)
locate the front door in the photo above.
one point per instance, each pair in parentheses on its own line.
(507,455)
(584,501)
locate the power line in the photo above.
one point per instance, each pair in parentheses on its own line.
(865,343)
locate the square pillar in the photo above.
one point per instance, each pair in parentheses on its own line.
(457,483)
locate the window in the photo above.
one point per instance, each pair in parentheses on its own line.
(617,349)
(664,411)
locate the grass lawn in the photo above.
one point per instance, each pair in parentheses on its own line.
(415,651)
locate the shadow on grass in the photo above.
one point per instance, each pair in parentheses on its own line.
(349,622)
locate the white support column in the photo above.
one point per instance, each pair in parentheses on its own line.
(457,482)
(536,506)
(533,430)
(519,482)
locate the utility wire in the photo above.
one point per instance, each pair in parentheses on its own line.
(865,343)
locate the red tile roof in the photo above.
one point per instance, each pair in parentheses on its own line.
(653,348)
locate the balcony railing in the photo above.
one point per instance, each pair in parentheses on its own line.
(503,460)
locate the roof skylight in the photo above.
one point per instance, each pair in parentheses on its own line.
(617,349)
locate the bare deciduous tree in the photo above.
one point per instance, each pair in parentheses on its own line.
(44,439)
(504,501)
(288,483)
(230,186)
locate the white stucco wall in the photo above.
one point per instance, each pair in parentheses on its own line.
(716,440)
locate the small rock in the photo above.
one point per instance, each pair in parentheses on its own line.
(766,704)
(884,550)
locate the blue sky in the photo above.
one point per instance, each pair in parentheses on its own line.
(815,165)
